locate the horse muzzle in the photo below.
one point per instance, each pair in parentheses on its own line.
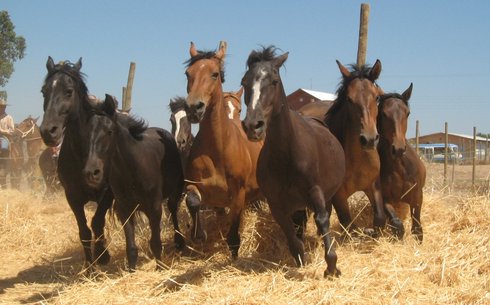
(51,134)
(94,177)
(255,130)
(196,112)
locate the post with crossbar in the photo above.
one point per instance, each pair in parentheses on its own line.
(363,35)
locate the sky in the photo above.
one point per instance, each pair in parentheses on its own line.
(442,47)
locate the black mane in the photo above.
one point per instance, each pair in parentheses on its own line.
(177,103)
(386,96)
(206,55)
(266,54)
(135,126)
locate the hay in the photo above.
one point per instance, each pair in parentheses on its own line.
(42,257)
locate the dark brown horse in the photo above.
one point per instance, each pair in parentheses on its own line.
(67,109)
(352,119)
(301,164)
(144,170)
(48,163)
(402,171)
(221,167)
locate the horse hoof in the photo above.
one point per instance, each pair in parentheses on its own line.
(179,242)
(332,274)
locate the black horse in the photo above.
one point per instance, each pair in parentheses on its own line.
(145,169)
(301,163)
(48,163)
(67,108)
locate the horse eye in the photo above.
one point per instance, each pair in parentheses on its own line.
(275,82)
(69,93)
(215,75)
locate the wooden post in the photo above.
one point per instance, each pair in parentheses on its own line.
(446,140)
(126,107)
(363,35)
(474,158)
(417,137)
(123,96)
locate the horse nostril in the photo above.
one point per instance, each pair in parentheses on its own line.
(53,130)
(96,173)
(200,106)
(363,140)
(259,125)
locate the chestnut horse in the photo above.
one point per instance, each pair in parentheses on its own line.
(221,168)
(29,133)
(144,170)
(233,102)
(67,109)
(402,171)
(301,164)
(352,119)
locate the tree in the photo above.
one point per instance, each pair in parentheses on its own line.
(12,47)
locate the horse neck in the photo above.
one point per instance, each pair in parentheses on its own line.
(215,122)
(77,124)
(280,124)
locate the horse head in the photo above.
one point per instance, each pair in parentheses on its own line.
(205,74)
(181,126)
(261,83)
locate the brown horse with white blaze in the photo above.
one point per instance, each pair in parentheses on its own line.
(220,171)
(402,172)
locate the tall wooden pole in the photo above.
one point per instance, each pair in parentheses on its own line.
(129,88)
(474,158)
(446,146)
(417,137)
(363,35)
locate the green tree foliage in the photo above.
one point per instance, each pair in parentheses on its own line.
(12,47)
(483,135)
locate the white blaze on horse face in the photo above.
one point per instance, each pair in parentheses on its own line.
(54,83)
(179,115)
(232,110)
(256,89)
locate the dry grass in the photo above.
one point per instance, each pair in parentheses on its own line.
(42,257)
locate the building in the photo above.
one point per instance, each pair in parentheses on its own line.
(301,97)
(464,143)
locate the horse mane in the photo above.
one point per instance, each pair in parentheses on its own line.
(265,54)
(206,55)
(177,103)
(335,112)
(135,126)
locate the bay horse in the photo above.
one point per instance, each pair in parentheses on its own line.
(29,135)
(301,164)
(220,171)
(181,127)
(316,109)
(144,170)
(402,172)
(67,108)
(352,119)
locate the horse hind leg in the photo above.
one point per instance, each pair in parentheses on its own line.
(395,222)
(131,249)
(154,217)
(102,255)
(322,211)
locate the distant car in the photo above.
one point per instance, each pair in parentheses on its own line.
(435,152)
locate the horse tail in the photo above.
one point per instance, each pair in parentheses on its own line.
(171,166)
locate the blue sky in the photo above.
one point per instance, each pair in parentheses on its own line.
(443,47)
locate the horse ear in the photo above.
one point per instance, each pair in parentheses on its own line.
(109,106)
(221,50)
(375,71)
(408,93)
(50,64)
(279,61)
(239,93)
(78,64)
(35,120)
(343,70)
(193,50)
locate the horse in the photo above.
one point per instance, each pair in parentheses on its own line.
(315,109)
(29,135)
(402,172)
(233,102)
(220,171)
(352,119)
(145,169)
(67,108)
(181,127)
(48,163)
(301,164)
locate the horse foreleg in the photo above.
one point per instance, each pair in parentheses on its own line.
(415,209)
(395,223)
(173,207)
(339,201)
(193,202)
(84,232)
(131,249)
(296,246)
(322,211)
(376,198)
(102,256)
(299,219)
